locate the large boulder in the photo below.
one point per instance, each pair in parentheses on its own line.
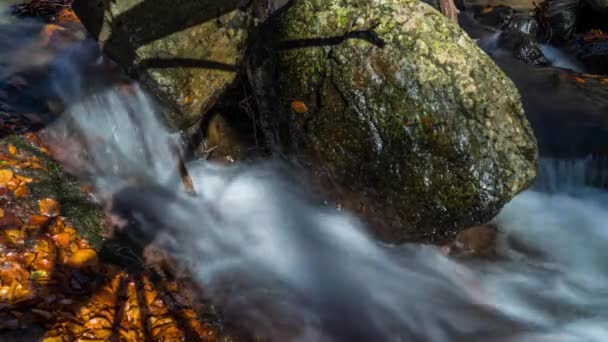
(185,51)
(398,107)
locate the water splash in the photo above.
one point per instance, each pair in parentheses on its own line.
(572,175)
(561,59)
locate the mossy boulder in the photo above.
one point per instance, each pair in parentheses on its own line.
(398,107)
(184,51)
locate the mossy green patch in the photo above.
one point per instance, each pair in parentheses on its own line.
(55,183)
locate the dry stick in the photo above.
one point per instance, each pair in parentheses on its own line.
(183,172)
(448,8)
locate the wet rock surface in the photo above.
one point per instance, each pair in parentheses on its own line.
(567,110)
(397,104)
(186,52)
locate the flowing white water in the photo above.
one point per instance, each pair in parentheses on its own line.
(295,270)
(561,59)
(271,256)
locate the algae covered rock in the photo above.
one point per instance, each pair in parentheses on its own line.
(184,51)
(399,107)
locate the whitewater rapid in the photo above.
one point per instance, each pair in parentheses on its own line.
(293,269)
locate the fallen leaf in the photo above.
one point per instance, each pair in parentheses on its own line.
(10,220)
(38,220)
(83,257)
(299,107)
(12,149)
(62,240)
(33,138)
(49,207)
(13,184)
(24,179)
(6,175)
(1,213)
(21,191)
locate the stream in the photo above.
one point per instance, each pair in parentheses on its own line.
(287,267)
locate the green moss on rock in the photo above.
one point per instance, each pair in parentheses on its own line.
(405,110)
(55,183)
(184,51)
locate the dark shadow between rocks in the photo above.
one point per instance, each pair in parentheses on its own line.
(160,63)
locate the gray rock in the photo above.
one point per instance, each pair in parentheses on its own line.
(399,107)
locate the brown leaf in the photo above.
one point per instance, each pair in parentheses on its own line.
(38,220)
(10,220)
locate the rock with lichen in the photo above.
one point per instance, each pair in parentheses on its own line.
(185,51)
(399,108)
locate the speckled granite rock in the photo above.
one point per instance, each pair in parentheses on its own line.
(398,106)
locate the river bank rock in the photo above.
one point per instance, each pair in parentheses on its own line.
(399,107)
(184,51)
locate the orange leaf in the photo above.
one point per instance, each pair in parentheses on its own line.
(49,207)
(38,220)
(21,191)
(5,176)
(299,107)
(36,165)
(13,184)
(12,149)
(62,240)
(83,257)
(24,179)
(1,213)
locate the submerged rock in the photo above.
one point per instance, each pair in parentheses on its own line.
(185,51)
(399,107)
(567,110)
(519,37)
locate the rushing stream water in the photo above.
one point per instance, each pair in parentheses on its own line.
(292,269)
(273,257)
